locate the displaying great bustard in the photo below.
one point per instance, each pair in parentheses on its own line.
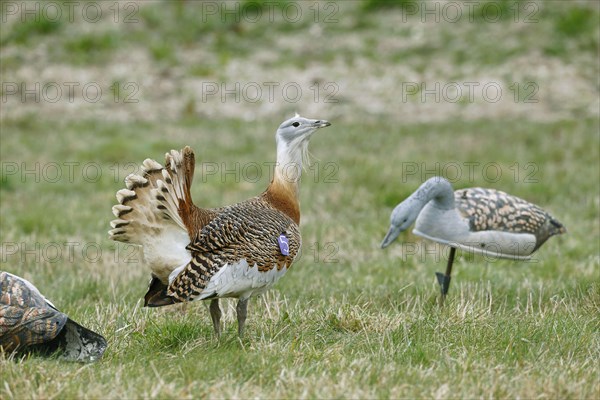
(199,253)
(483,221)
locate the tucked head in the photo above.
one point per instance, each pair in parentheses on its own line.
(401,219)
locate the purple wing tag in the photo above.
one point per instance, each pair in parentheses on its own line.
(284,246)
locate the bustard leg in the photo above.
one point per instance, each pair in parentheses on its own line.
(215,314)
(444,279)
(242,312)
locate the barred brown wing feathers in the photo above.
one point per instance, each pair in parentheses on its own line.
(174,191)
(194,277)
(225,228)
(189,165)
(248,230)
(488,209)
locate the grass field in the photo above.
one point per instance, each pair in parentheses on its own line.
(348,320)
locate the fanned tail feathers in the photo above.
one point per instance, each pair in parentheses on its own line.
(153,211)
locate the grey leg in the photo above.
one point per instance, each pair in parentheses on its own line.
(444,279)
(215,314)
(242,312)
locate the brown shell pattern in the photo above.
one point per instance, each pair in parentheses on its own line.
(25,316)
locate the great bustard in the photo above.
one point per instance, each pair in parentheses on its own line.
(207,253)
(483,221)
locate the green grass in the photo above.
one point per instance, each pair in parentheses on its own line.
(31,28)
(349,320)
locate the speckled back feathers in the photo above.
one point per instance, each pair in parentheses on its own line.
(489,209)
(156,209)
(247,230)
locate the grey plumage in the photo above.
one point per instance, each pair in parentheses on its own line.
(482,220)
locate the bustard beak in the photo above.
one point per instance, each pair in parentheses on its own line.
(321,124)
(390,237)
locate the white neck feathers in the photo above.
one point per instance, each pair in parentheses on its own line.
(288,168)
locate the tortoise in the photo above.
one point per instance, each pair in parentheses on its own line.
(29,322)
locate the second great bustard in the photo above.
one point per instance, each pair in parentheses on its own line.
(199,253)
(478,220)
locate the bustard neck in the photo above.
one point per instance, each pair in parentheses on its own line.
(284,190)
(436,189)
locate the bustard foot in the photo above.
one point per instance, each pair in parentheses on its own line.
(215,315)
(444,279)
(242,312)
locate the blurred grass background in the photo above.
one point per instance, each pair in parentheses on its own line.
(349,320)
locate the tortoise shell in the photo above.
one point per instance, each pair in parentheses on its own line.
(28,321)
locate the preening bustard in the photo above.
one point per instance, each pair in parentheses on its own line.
(199,253)
(483,221)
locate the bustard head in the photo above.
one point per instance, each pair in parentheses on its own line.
(292,139)
(297,130)
(403,216)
